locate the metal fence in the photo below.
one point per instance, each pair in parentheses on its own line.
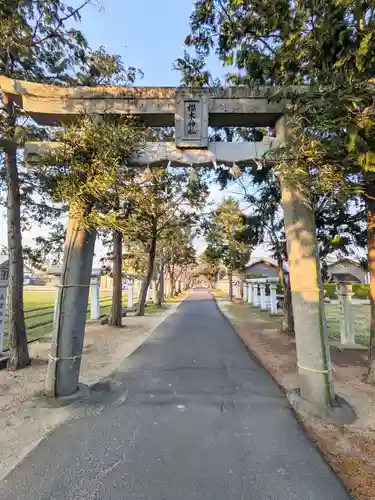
(39,320)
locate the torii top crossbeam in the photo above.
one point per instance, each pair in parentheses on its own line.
(51,104)
(190,110)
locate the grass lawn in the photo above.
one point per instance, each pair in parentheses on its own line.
(152,308)
(39,307)
(39,311)
(219,293)
(177,298)
(360,315)
(361,321)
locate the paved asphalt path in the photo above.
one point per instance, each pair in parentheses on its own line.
(198,419)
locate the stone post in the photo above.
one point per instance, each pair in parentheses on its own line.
(55,304)
(130,304)
(3,304)
(263,299)
(313,355)
(273,286)
(245,291)
(95,296)
(249,292)
(347,334)
(149,292)
(252,293)
(256,297)
(154,293)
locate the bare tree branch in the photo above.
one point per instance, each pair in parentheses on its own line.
(60,23)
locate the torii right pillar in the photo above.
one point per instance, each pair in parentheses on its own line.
(313,354)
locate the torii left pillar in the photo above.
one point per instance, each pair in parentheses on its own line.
(69,330)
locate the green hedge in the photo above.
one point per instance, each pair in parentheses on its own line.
(330,291)
(361,291)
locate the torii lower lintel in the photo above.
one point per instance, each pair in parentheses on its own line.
(166,153)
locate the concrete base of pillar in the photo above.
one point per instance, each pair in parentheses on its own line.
(340,413)
(3,361)
(347,347)
(82,392)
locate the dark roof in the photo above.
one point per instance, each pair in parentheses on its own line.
(268,263)
(342,261)
(345,278)
(4,262)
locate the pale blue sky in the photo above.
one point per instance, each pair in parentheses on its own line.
(148,34)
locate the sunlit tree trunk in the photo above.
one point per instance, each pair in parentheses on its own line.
(116,312)
(230,284)
(288,319)
(173,281)
(370,182)
(161,283)
(150,270)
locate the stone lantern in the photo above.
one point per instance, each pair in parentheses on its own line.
(347,332)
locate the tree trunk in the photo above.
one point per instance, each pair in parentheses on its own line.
(173,282)
(230,285)
(370,184)
(161,284)
(116,312)
(177,280)
(18,348)
(288,318)
(150,269)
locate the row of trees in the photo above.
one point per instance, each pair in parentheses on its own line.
(328,48)
(229,240)
(150,212)
(88,180)
(37,44)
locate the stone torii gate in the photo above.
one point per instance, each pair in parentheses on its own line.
(192,111)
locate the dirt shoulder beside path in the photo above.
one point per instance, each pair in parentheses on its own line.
(350,449)
(26,416)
